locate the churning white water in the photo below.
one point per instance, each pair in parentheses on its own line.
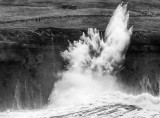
(88,88)
(93,60)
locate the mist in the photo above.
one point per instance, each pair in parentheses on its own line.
(93,62)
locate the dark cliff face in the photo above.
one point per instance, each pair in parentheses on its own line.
(30,62)
(141,73)
(29,65)
(27,76)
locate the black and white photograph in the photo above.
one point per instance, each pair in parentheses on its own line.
(79,58)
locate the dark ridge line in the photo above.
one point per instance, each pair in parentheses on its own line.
(38,19)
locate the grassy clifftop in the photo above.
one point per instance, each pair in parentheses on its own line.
(18,9)
(33,14)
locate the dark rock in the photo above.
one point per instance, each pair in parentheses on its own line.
(69,7)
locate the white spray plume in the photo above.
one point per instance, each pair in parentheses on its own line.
(92,59)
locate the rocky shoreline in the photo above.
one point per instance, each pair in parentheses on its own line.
(30,61)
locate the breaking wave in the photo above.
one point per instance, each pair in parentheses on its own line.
(93,62)
(88,88)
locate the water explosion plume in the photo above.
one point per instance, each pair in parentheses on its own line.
(93,60)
